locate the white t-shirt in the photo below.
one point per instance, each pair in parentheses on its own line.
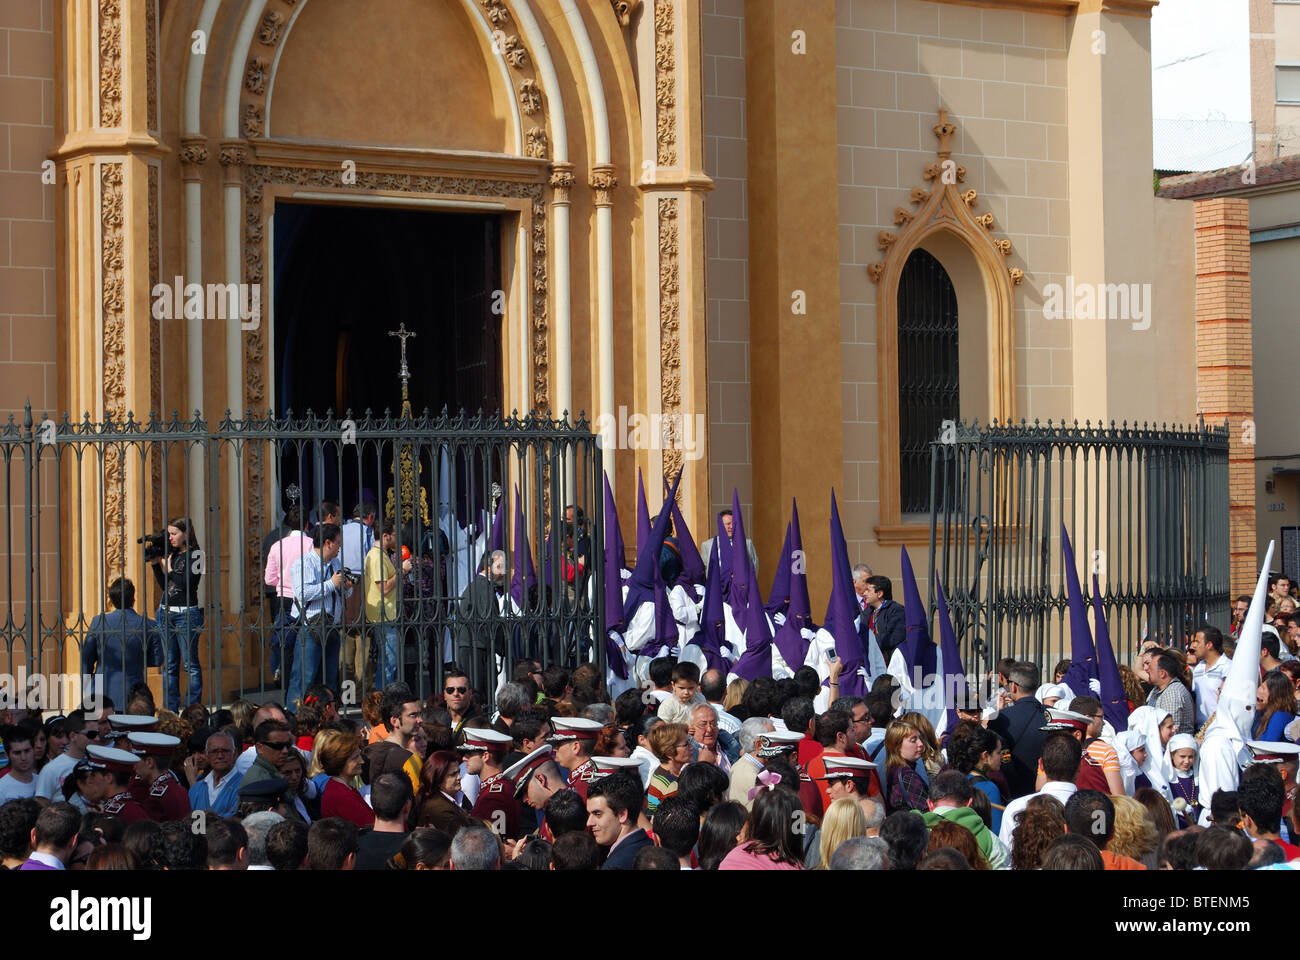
(11,788)
(51,778)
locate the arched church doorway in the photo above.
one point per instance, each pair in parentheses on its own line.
(347,275)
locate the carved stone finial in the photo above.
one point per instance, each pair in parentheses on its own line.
(930,172)
(985,221)
(885,240)
(1003,245)
(919,195)
(530,96)
(875,271)
(902,216)
(1017,276)
(944,131)
(969,198)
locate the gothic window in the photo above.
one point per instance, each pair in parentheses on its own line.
(927,372)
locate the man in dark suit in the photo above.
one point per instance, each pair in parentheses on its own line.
(479,612)
(882,616)
(1020,723)
(613,804)
(120,644)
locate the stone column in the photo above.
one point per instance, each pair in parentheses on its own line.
(795,373)
(1225,388)
(107,162)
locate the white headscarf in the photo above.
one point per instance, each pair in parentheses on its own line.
(1180,741)
(1147,720)
(1126,741)
(1049,690)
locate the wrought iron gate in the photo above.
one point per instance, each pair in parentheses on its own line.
(1146,509)
(80,494)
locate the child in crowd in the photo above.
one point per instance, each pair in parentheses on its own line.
(1180,770)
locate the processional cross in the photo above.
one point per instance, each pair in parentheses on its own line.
(406,471)
(402,334)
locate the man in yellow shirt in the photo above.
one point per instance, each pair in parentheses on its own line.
(381,600)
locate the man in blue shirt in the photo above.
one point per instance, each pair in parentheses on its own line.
(120,644)
(318,598)
(219,790)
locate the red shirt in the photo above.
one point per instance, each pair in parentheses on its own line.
(808,748)
(1290,849)
(340,801)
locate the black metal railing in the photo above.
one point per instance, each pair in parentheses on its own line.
(81,494)
(1146,509)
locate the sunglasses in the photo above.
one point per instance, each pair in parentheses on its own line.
(277,746)
(90,734)
(455,689)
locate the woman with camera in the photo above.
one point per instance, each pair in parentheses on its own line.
(180,617)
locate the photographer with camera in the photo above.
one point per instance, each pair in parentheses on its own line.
(180,617)
(318,597)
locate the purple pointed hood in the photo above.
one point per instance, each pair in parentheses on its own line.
(642,517)
(647,584)
(1083,653)
(614,528)
(693,571)
(756,661)
(917,647)
(742,570)
(954,674)
(524,577)
(842,612)
(713,626)
(1114,701)
(613,563)
(789,638)
(778,598)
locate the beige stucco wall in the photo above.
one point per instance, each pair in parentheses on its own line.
(28,349)
(727,244)
(1001,75)
(1277,358)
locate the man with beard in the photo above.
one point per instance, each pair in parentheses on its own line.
(479,613)
(403,713)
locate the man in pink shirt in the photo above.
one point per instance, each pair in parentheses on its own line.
(284,553)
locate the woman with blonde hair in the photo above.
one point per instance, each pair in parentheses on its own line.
(1135,832)
(670,743)
(842,820)
(904,787)
(932,758)
(735,694)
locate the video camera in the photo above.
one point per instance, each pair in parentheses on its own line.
(350,577)
(155,546)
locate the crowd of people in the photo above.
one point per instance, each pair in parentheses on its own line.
(719,732)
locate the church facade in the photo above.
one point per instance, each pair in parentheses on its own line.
(709,216)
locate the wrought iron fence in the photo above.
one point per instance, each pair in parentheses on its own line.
(83,498)
(1146,509)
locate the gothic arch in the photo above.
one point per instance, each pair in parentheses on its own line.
(944,224)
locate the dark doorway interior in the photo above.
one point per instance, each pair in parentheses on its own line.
(344,277)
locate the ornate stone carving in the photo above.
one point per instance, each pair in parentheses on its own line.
(919,195)
(603,181)
(1017,275)
(515,53)
(110,63)
(1003,245)
(232,155)
(670,376)
(112,223)
(272,24)
(530,96)
(885,240)
(561,181)
(255,78)
(536,143)
(665,85)
(944,131)
(252,120)
(876,271)
(969,198)
(495,11)
(623,10)
(936,170)
(985,220)
(193,150)
(151,62)
(902,216)
(155,338)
